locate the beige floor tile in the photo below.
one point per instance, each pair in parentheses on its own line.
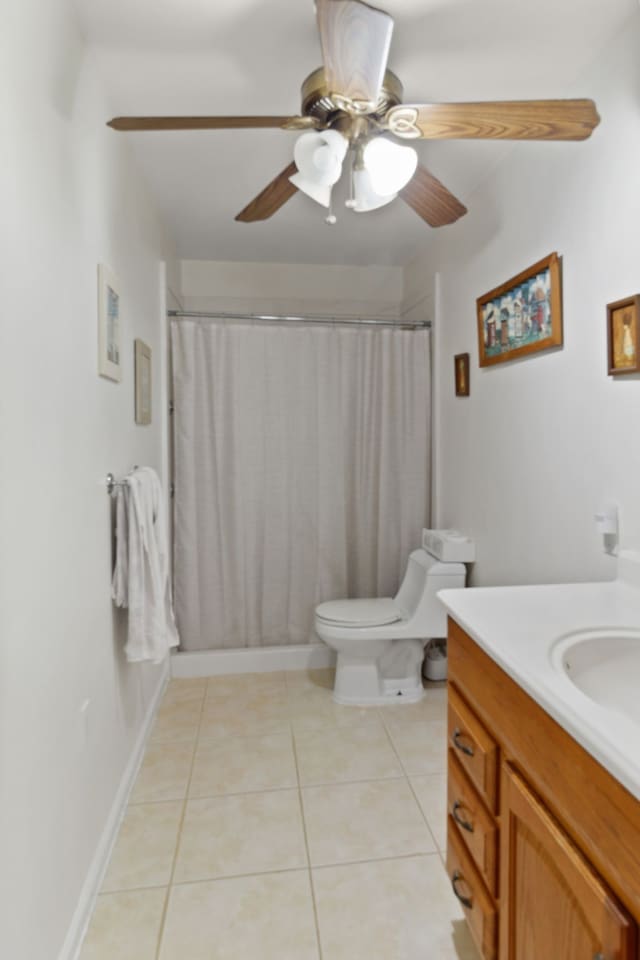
(364,821)
(431,792)
(242,834)
(243,764)
(421,746)
(432,707)
(125,926)
(297,680)
(314,709)
(185,690)
(247,685)
(390,910)
(177,720)
(338,754)
(269,917)
(164,773)
(146,844)
(244,715)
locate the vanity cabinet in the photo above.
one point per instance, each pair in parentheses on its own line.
(543,845)
(554,903)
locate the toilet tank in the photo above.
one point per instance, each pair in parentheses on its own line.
(417,597)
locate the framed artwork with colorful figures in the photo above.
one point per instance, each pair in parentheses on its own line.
(523,315)
(623,335)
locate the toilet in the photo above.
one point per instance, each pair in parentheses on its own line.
(380,642)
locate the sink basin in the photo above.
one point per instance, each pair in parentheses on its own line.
(605,666)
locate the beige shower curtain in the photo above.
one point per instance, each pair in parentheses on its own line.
(301,473)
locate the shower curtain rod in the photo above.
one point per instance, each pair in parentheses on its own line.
(281,318)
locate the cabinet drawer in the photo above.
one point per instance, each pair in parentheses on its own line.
(474,747)
(476,827)
(479,908)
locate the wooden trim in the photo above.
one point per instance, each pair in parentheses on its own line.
(598,813)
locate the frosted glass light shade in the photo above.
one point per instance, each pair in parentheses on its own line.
(365,197)
(389,165)
(320,192)
(318,157)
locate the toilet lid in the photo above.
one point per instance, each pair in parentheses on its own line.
(359,613)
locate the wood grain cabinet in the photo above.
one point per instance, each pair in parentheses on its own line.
(554,904)
(543,847)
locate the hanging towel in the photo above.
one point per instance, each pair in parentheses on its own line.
(141,577)
(120,583)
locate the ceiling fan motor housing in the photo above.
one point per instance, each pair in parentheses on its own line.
(317,100)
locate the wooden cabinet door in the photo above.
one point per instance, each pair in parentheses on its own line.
(553,904)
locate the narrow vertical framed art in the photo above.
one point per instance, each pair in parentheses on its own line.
(109,333)
(461,370)
(143,383)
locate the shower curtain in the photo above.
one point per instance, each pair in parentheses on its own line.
(301,473)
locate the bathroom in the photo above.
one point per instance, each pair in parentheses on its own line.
(521,465)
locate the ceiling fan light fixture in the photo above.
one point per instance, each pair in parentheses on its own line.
(365,198)
(319,158)
(389,165)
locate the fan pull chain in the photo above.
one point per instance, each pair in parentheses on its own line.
(350,202)
(331,217)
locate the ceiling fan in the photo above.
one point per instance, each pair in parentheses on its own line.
(354,104)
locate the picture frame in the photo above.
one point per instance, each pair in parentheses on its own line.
(461,374)
(143,374)
(109,324)
(623,336)
(523,315)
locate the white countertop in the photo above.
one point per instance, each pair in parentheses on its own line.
(518,626)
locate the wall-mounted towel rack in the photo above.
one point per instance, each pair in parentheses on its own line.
(112,483)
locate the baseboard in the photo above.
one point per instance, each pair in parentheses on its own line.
(95,875)
(211,663)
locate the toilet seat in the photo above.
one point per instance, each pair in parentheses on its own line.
(359,613)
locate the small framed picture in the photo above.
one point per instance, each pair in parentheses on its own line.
(109,352)
(143,382)
(623,335)
(461,367)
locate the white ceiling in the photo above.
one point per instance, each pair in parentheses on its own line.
(248,56)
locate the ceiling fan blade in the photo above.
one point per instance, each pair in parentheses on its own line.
(499,120)
(355,40)
(269,201)
(207,123)
(431,200)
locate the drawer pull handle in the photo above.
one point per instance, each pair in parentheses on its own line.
(459,745)
(465,824)
(465,901)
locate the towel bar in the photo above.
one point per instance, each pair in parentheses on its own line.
(112,483)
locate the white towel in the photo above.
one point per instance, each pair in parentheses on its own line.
(120,583)
(141,577)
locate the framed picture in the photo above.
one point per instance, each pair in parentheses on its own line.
(623,335)
(523,315)
(461,367)
(109,352)
(143,382)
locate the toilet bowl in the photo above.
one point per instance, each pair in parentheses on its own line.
(380,642)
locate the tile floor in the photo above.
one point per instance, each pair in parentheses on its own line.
(268,823)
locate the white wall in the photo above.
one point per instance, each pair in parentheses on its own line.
(542,442)
(291,288)
(69,198)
